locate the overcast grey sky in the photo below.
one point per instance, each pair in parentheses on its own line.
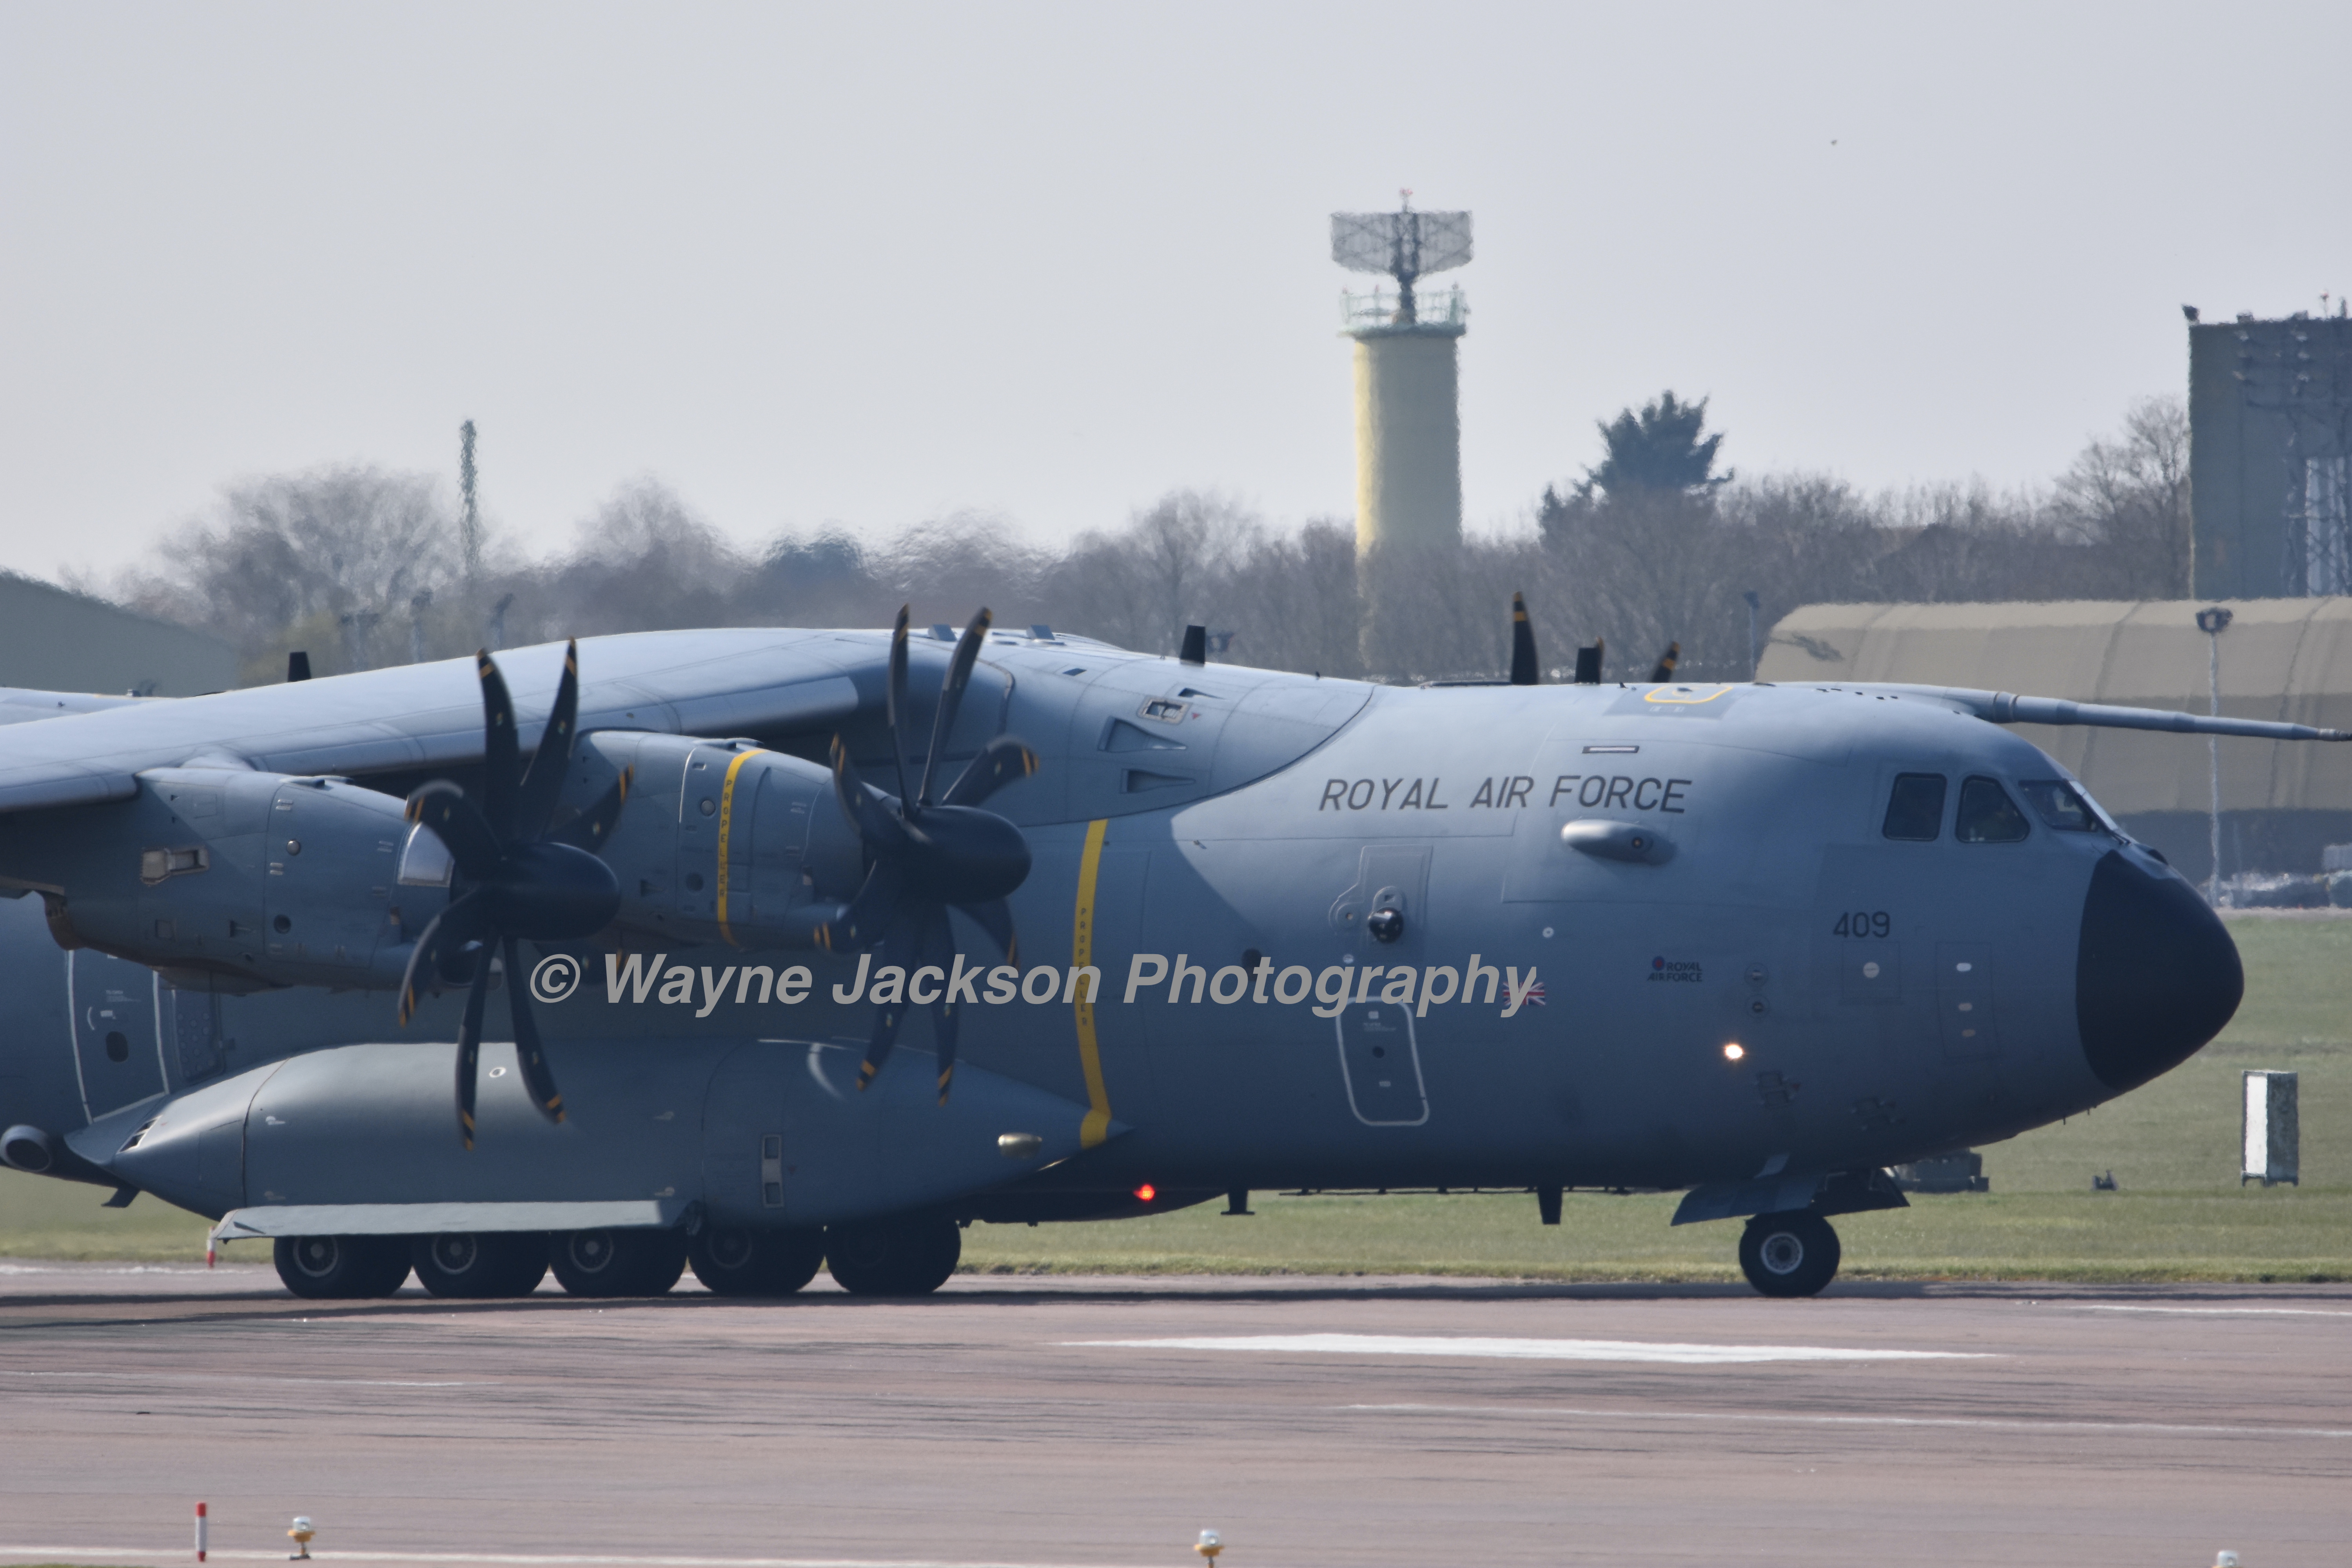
(870,264)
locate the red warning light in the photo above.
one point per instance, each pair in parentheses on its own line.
(1146,1193)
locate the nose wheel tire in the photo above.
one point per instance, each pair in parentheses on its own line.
(341,1268)
(474,1264)
(618,1262)
(1793,1254)
(732,1262)
(893,1257)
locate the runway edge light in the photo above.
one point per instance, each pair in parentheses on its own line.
(1209,1545)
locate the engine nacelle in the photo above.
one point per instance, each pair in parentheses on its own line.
(250,878)
(722,841)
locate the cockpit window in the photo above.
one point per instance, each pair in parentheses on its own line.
(1987,816)
(1916,810)
(2057,803)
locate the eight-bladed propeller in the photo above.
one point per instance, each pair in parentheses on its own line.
(929,853)
(516,880)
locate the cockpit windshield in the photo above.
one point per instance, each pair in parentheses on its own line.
(2062,806)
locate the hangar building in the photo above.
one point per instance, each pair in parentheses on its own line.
(52,639)
(2282,801)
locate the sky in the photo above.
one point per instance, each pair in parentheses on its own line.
(873,265)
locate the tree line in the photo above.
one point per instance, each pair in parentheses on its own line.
(1652,544)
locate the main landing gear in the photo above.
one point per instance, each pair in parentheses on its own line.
(904,1256)
(1791,1254)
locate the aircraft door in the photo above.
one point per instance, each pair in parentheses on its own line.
(1380,1054)
(1380,1061)
(116,1047)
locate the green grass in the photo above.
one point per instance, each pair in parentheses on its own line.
(2172,1146)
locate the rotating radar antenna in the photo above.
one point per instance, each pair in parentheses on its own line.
(1404,243)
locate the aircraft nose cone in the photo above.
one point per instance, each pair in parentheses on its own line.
(2156,975)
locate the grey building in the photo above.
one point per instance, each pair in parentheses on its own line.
(52,639)
(2270,432)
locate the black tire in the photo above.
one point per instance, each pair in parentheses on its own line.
(341,1268)
(1793,1254)
(477,1264)
(618,1262)
(732,1262)
(893,1257)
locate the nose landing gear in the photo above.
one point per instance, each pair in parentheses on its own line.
(1791,1254)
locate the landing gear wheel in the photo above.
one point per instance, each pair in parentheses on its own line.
(1793,1254)
(755,1262)
(474,1264)
(341,1268)
(893,1257)
(618,1262)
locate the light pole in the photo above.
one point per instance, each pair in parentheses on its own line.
(2213,622)
(1754,656)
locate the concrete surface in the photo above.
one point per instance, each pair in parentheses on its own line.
(2138,1425)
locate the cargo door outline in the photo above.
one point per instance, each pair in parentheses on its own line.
(104,996)
(1377,1032)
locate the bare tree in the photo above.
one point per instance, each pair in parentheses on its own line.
(327,561)
(2129,495)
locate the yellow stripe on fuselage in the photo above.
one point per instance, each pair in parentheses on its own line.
(726,825)
(1097,1125)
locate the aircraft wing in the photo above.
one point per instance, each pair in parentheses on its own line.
(716,683)
(2008,708)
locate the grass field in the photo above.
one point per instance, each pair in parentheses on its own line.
(2180,1214)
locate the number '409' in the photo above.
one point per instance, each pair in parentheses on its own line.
(1864,922)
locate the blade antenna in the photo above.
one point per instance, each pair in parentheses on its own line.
(951,696)
(1524,668)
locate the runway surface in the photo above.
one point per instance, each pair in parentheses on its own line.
(1107,1422)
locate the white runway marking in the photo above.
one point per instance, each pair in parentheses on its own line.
(2214,1311)
(206,1378)
(1779,1418)
(506,1559)
(1529,1349)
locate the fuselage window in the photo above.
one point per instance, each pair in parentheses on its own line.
(1987,816)
(1916,810)
(2057,803)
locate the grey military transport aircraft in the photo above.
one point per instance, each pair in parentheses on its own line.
(819,945)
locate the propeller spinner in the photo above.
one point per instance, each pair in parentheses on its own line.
(516,880)
(929,853)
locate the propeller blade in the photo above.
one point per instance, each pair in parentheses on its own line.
(1000,761)
(500,748)
(1666,662)
(938,938)
(952,698)
(545,782)
(869,914)
(896,701)
(587,830)
(458,823)
(1525,670)
(469,1046)
(447,932)
(903,946)
(877,825)
(995,918)
(536,1076)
